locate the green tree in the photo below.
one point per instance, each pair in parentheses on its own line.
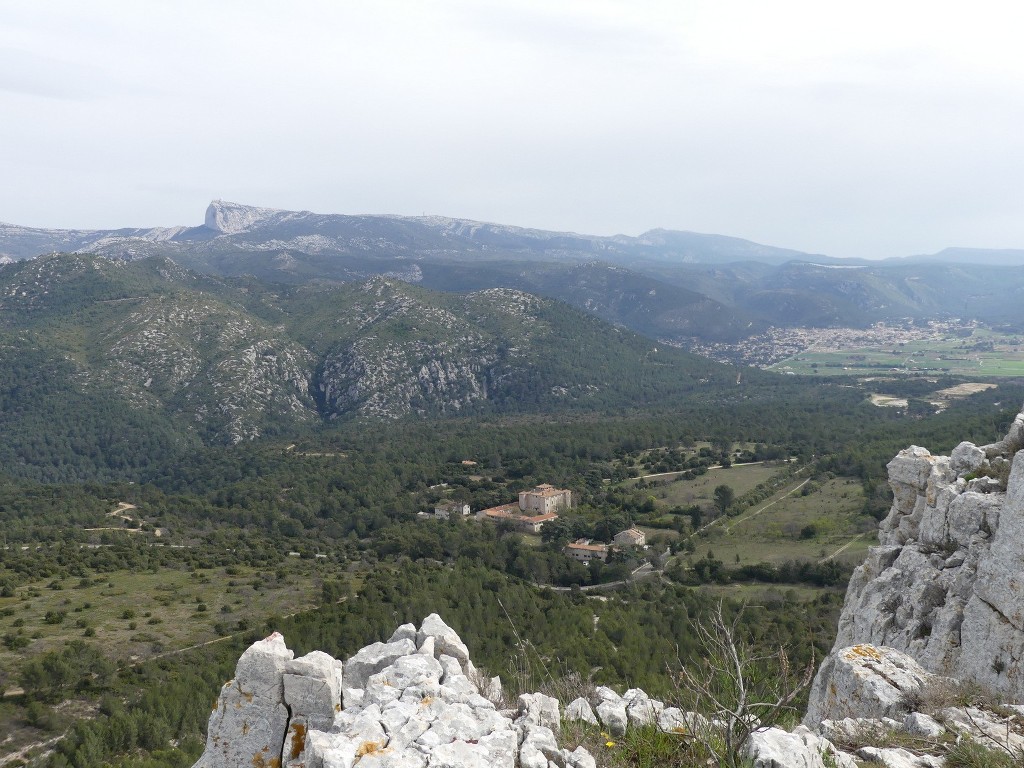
(724,497)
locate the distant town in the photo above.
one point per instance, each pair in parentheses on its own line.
(777,344)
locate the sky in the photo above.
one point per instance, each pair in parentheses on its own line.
(867,129)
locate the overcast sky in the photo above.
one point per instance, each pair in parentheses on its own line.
(848,128)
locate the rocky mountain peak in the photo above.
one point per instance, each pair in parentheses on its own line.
(234,218)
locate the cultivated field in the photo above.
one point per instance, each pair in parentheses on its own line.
(983,353)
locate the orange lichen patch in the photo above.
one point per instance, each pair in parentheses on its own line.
(368,748)
(260,761)
(337,707)
(426,701)
(298,740)
(248,696)
(862,652)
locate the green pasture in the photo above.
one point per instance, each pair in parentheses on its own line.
(672,490)
(985,353)
(777,532)
(138,615)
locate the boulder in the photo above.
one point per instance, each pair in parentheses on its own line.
(578,758)
(613,716)
(864,681)
(641,709)
(445,639)
(966,458)
(674,720)
(312,694)
(538,709)
(407,704)
(776,748)
(923,726)
(579,709)
(946,586)
(372,659)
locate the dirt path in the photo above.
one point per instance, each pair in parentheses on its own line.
(843,548)
(22,753)
(680,471)
(120,511)
(757,512)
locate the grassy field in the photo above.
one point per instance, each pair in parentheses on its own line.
(134,616)
(984,353)
(779,531)
(671,491)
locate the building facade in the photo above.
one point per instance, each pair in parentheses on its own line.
(544,499)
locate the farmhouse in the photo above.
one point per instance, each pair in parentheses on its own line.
(584,551)
(631,537)
(510,513)
(544,499)
(447,511)
(536,507)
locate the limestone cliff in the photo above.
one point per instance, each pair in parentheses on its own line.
(946,584)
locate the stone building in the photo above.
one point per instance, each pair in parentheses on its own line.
(544,499)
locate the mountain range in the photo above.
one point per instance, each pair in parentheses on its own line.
(677,287)
(120,362)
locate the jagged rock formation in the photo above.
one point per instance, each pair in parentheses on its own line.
(945,586)
(937,608)
(411,702)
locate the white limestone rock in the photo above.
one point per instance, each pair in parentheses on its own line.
(538,747)
(864,681)
(966,458)
(674,720)
(604,693)
(641,709)
(372,659)
(898,758)
(538,709)
(612,714)
(578,758)
(776,748)
(580,709)
(947,584)
(923,726)
(312,694)
(404,632)
(249,723)
(985,727)
(445,639)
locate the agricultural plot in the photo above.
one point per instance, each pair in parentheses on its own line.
(824,523)
(673,491)
(984,353)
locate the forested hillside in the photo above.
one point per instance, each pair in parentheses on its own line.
(192,460)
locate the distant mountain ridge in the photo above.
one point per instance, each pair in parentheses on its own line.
(423,235)
(678,287)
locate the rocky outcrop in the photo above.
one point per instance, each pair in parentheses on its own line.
(416,701)
(411,702)
(937,609)
(945,585)
(865,681)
